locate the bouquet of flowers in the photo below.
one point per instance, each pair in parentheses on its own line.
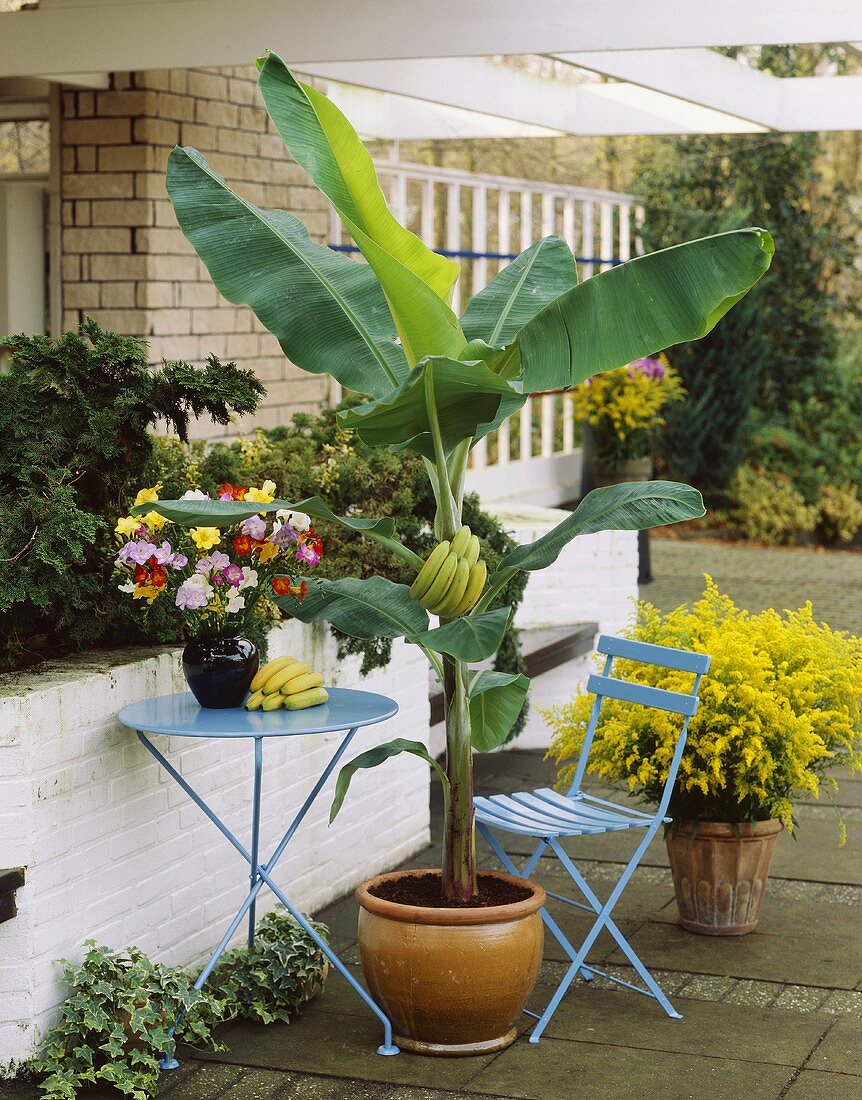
(623,407)
(218,578)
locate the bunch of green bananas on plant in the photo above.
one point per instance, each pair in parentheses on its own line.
(452,579)
(288,683)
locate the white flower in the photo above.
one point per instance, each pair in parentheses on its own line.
(194,494)
(235,603)
(129,586)
(249,578)
(299,521)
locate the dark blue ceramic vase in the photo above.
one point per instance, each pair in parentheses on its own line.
(220,670)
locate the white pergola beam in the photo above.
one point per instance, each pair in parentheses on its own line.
(697,76)
(490,88)
(706,78)
(400,118)
(109,35)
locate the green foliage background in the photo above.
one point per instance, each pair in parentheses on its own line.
(75,416)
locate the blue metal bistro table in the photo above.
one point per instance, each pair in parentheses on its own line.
(181,716)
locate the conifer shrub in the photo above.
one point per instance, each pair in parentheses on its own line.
(75,420)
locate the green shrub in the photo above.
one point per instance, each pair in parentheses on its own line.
(273,979)
(113,1027)
(74,422)
(840,513)
(768,508)
(313,455)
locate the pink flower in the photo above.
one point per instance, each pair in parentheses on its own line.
(254,527)
(216,560)
(307,554)
(137,553)
(233,574)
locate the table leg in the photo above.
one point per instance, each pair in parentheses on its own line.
(255,831)
(260,875)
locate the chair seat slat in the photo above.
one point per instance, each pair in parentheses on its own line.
(584,807)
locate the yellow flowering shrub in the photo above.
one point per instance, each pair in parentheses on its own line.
(623,407)
(779,708)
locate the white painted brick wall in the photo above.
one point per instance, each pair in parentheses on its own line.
(595,579)
(115,851)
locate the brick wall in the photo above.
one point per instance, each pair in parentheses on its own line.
(114,850)
(125,261)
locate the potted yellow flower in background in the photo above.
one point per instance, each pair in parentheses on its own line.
(622,409)
(779,710)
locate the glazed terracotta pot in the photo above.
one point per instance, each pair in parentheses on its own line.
(453,981)
(719,874)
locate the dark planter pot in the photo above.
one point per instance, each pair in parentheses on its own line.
(634,469)
(220,670)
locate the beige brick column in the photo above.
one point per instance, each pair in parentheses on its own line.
(125,261)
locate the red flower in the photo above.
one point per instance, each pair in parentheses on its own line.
(158,577)
(314,541)
(300,591)
(230,492)
(142,575)
(281,585)
(243,544)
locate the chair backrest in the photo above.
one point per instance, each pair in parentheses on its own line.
(606,686)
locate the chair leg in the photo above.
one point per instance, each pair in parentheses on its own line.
(604,919)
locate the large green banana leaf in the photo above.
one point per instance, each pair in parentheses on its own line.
(224,513)
(496,699)
(543,272)
(470,638)
(640,307)
(371,758)
(372,608)
(418,282)
(328,313)
(633,506)
(461,396)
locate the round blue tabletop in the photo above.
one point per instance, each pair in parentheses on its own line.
(182,716)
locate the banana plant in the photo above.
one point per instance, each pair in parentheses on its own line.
(437,384)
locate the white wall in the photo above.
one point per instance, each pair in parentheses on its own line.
(114,850)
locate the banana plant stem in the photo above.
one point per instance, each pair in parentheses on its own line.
(459,835)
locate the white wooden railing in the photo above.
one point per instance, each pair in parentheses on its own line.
(484,221)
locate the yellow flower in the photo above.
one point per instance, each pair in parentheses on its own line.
(127,525)
(146,592)
(267,551)
(145,496)
(153,520)
(264,495)
(205,537)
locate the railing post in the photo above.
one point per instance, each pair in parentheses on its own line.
(453,232)
(587,237)
(606,228)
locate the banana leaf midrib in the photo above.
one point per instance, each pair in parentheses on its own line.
(344,594)
(510,304)
(256,212)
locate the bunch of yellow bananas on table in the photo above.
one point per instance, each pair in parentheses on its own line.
(288,683)
(452,579)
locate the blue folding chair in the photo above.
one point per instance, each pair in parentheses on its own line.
(548,815)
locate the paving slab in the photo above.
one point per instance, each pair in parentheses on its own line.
(557,1068)
(814,1085)
(725,1031)
(815,855)
(332,1044)
(841,1049)
(811,955)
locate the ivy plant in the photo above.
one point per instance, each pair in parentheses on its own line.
(114,1025)
(273,979)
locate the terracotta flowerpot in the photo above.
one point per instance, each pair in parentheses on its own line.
(634,469)
(719,877)
(453,981)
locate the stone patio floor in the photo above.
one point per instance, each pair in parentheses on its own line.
(772,1015)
